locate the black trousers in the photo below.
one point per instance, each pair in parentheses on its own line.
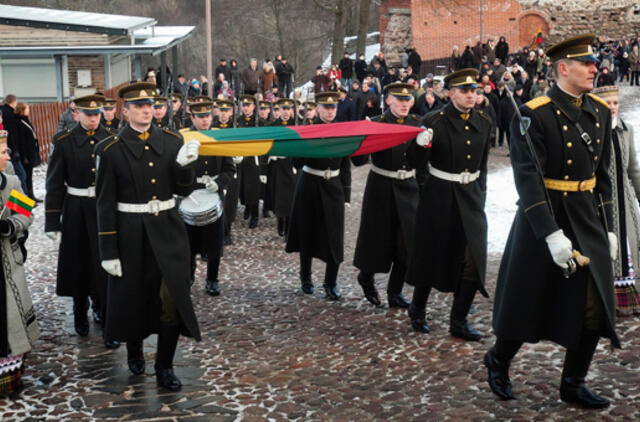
(330,273)
(207,239)
(635,78)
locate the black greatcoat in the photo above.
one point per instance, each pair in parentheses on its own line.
(533,300)
(249,171)
(283,177)
(389,206)
(111,124)
(72,163)
(232,191)
(451,215)
(316,226)
(134,171)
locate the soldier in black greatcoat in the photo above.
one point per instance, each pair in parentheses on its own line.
(70,214)
(310,113)
(143,241)
(571,134)
(282,175)
(212,174)
(389,206)
(232,194)
(108,118)
(450,243)
(177,120)
(250,168)
(316,229)
(160,115)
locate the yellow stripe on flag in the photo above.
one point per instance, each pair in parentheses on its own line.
(209,146)
(23,198)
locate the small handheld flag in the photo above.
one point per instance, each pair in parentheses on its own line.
(20,203)
(537,39)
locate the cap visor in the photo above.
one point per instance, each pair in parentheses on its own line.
(141,101)
(89,111)
(403,97)
(590,58)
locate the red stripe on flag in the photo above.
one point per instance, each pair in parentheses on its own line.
(17,208)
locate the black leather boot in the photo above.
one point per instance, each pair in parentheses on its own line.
(576,365)
(167,342)
(396,300)
(212,288)
(498,377)
(80,319)
(369,288)
(246,213)
(330,279)
(280,227)
(305,275)
(135,357)
(253,222)
(459,326)
(418,319)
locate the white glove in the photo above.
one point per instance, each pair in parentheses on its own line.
(347,205)
(263,179)
(613,245)
(424,138)
(188,153)
(112,266)
(212,186)
(560,247)
(237,160)
(55,236)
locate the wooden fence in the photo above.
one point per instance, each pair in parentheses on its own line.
(45,118)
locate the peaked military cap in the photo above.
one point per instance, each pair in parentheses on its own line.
(198,99)
(576,48)
(138,92)
(109,104)
(311,104)
(224,103)
(90,104)
(160,102)
(176,96)
(463,78)
(605,90)
(400,90)
(285,102)
(201,108)
(264,104)
(247,99)
(327,99)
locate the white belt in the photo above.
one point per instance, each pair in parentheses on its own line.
(325,174)
(151,207)
(274,158)
(89,192)
(462,178)
(398,174)
(206,179)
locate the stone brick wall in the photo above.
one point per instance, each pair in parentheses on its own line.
(436,28)
(93,63)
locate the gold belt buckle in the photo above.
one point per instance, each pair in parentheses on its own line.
(582,186)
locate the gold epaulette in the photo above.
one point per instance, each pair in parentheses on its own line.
(170,132)
(64,135)
(538,102)
(184,129)
(598,99)
(485,116)
(115,139)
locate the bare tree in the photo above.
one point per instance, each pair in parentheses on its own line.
(363,26)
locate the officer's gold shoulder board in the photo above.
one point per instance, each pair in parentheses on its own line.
(598,99)
(170,132)
(485,116)
(538,102)
(433,117)
(184,129)
(109,143)
(61,135)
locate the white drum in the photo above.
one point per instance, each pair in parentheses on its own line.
(201,208)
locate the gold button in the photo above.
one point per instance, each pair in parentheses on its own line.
(558,112)
(466,128)
(206,162)
(206,172)
(569,162)
(569,144)
(404,167)
(146,147)
(468,156)
(593,174)
(597,124)
(154,197)
(150,163)
(566,177)
(153,181)
(93,155)
(565,193)
(595,158)
(93,170)
(467,170)
(590,190)
(597,110)
(597,141)
(92,142)
(565,128)
(468,142)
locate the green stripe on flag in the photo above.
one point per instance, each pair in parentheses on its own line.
(318,147)
(20,203)
(244,134)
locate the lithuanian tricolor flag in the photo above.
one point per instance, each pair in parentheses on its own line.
(537,39)
(314,141)
(20,203)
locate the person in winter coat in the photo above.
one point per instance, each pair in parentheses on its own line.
(634,64)
(361,67)
(483,105)
(605,78)
(268,78)
(346,69)
(250,77)
(28,146)
(18,324)
(236,83)
(415,62)
(502,50)
(467,58)
(455,60)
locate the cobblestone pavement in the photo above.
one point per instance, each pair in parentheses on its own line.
(270,352)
